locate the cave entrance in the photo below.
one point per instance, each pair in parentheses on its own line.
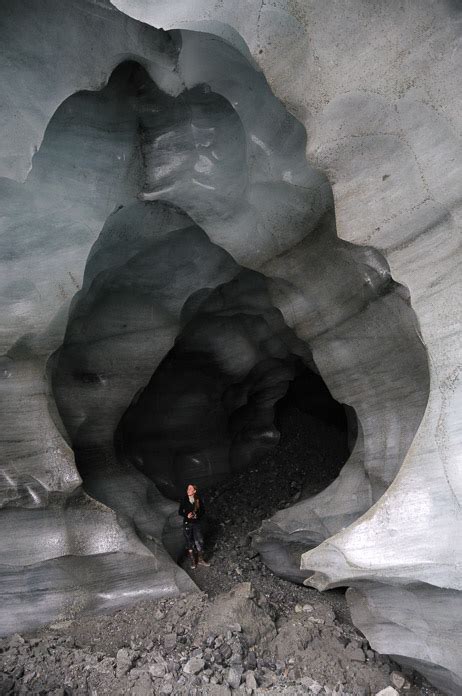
(209,409)
(238,408)
(194,422)
(224,229)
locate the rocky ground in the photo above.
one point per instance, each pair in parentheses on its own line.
(247,632)
(309,450)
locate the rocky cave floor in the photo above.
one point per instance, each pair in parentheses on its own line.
(247,631)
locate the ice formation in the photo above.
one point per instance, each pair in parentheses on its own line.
(251,183)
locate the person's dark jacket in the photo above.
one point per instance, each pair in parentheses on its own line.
(186,506)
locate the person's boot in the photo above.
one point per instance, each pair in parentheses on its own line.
(201,560)
(192,559)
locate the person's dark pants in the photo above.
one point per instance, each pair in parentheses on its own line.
(193,535)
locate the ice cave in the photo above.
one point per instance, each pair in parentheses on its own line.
(207,208)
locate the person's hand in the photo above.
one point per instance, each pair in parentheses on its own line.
(190,514)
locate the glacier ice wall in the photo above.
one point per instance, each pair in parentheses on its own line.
(372,292)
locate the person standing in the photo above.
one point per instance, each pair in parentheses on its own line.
(192,510)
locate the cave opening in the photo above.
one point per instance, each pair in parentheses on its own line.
(210,409)
(215,291)
(237,402)
(192,423)
(121,286)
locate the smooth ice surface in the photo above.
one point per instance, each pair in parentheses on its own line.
(422,621)
(373,294)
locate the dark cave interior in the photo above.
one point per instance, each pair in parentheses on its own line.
(192,423)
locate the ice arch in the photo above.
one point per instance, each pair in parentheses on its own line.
(194,149)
